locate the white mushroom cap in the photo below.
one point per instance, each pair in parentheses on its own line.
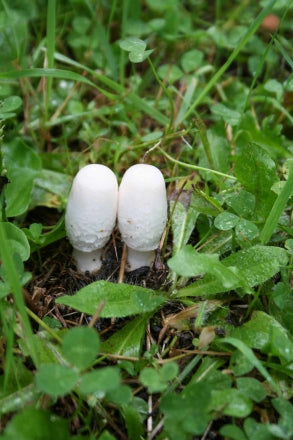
(91,213)
(142,211)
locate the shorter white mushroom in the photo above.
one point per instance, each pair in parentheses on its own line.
(91,214)
(142,213)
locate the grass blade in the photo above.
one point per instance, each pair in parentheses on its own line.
(51,27)
(278,208)
(14,281)
(213,81)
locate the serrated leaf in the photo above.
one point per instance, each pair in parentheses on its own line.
(189,263)
(120,300)
(254,265)
(258,263)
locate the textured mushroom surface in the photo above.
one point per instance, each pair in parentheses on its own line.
(142,207)
(92,208)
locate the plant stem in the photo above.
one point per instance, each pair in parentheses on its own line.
(195,167)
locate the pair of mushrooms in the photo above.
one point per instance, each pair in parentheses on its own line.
(94,202)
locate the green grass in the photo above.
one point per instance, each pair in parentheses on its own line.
(204,346)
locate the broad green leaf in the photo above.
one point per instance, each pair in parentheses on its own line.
(100,381)
(254,265)
(186,413)
(242,202)
(251,388)
(80,346)
(183,220)
(189,263)
(139,57)
(56,380)
(170,73)
(231,402)
(257,431)
(23,165)
(273,86)
(256,332)
(191,60)
(35,424)
(8,106)
(257,172)
(133,44)
(54,182)
(246,230)
(226,221)
(249,354)
(133,421)
(18,242)
(120,396)
(128,340)
(285,409)
(156,380)
(265,138)
(229,115)
(151,379)
(119,299)
(258,263)
(106,436)
(232,432)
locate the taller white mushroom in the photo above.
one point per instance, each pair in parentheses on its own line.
(91,214)
(142,213)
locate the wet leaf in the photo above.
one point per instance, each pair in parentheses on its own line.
(188,262)
(119,299)
(226,221)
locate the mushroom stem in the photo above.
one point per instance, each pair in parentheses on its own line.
(88,261)
(136,259)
